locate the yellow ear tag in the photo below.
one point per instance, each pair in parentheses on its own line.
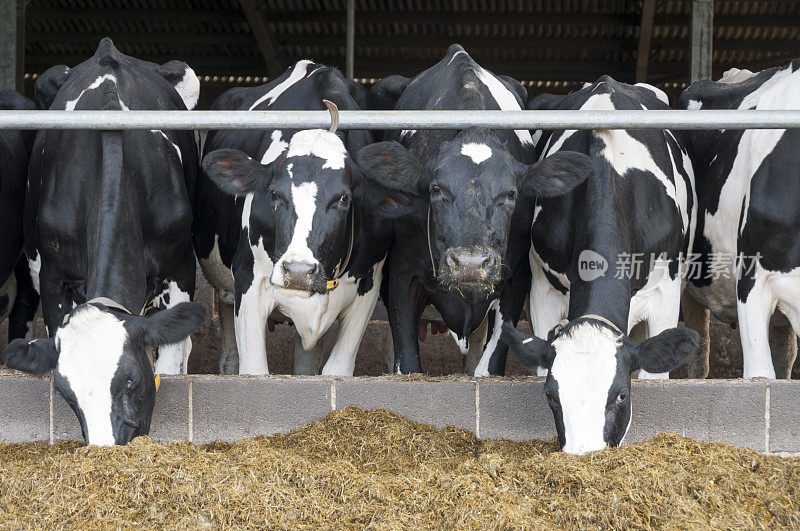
(331,285)
(158,381)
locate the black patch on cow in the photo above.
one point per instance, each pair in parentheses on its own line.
(365,283)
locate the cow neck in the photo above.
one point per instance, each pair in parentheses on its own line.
(428,238)
(115,252)
(599,231)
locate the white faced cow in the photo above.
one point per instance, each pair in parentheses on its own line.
(605,257)
(748,241)
(292,224)
(108,231)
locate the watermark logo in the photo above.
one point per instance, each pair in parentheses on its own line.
(591,265)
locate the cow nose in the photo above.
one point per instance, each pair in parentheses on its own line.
(469,265)
(297,275)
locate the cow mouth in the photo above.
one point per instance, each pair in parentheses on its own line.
(470,270)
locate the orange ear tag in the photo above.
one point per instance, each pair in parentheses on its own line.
(332,284)
(158,381)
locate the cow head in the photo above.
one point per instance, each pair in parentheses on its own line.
(588,383)
(306,194)
(465,197)
(102,368)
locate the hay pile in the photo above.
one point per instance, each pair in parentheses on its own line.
(359,468)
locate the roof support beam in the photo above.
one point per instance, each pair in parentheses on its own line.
(351,38)
(263,35)
(12,38)
(702,39)
(645,39)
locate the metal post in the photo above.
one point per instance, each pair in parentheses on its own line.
(702,38)
(21,45)
(8,44)
(351,38)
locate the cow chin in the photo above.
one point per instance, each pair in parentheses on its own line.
(484,284)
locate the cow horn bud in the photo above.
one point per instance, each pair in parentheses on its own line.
(334,112)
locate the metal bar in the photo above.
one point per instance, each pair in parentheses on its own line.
(702,39)
(672,119)
(351,38)
(8,44)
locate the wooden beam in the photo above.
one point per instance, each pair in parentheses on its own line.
(645,39)
(702,39)
(264,36)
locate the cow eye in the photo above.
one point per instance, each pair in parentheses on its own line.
(273,196)
(512,195)
(344,199)
(435,190)
(621,397)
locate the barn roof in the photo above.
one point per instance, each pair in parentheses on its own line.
(533,40)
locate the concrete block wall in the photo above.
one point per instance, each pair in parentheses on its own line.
(760,414)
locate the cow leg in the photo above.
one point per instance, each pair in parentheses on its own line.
(697,317)
(405,309)
(663,310)
(783,345)
(352,324)
(754,316)
(548,306)
(477,341)
(174,358)
(251,330)
(229,358)
(307,361)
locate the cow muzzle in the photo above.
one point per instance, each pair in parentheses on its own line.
(469,265)
(299,275)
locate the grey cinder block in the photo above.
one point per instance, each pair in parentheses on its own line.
(730,411)
(229,409)
(65,422)
(784,416)
(440,403)
(514,410)
(24,409)
(171,412)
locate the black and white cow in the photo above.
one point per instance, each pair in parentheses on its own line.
(293,224)
(604,258)
(108,230)
(748,232)
(463,204)
(18,299)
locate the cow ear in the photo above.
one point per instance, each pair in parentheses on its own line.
(395,181)
(531,351)
(34,356)
(666,351)
(171,325)
(183,78)
(236,173)
(556,175)
(48,85)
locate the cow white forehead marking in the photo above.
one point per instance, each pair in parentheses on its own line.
(298,73)
(91,346)
(584,368)
(319,143)
(477,152)
(304,202)
(505,99)
(275,148)
(694,105)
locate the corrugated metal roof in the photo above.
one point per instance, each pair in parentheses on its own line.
(564,40)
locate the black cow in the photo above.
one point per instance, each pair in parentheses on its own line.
(108,230)
(18,298)
(294,224)
(463,204)
(603,258)
(748,231)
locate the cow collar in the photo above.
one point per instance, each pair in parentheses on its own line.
(564,322)
(342,267)
(111,303)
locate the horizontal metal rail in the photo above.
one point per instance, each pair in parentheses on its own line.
(671,119)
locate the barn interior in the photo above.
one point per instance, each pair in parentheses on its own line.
(549,45)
